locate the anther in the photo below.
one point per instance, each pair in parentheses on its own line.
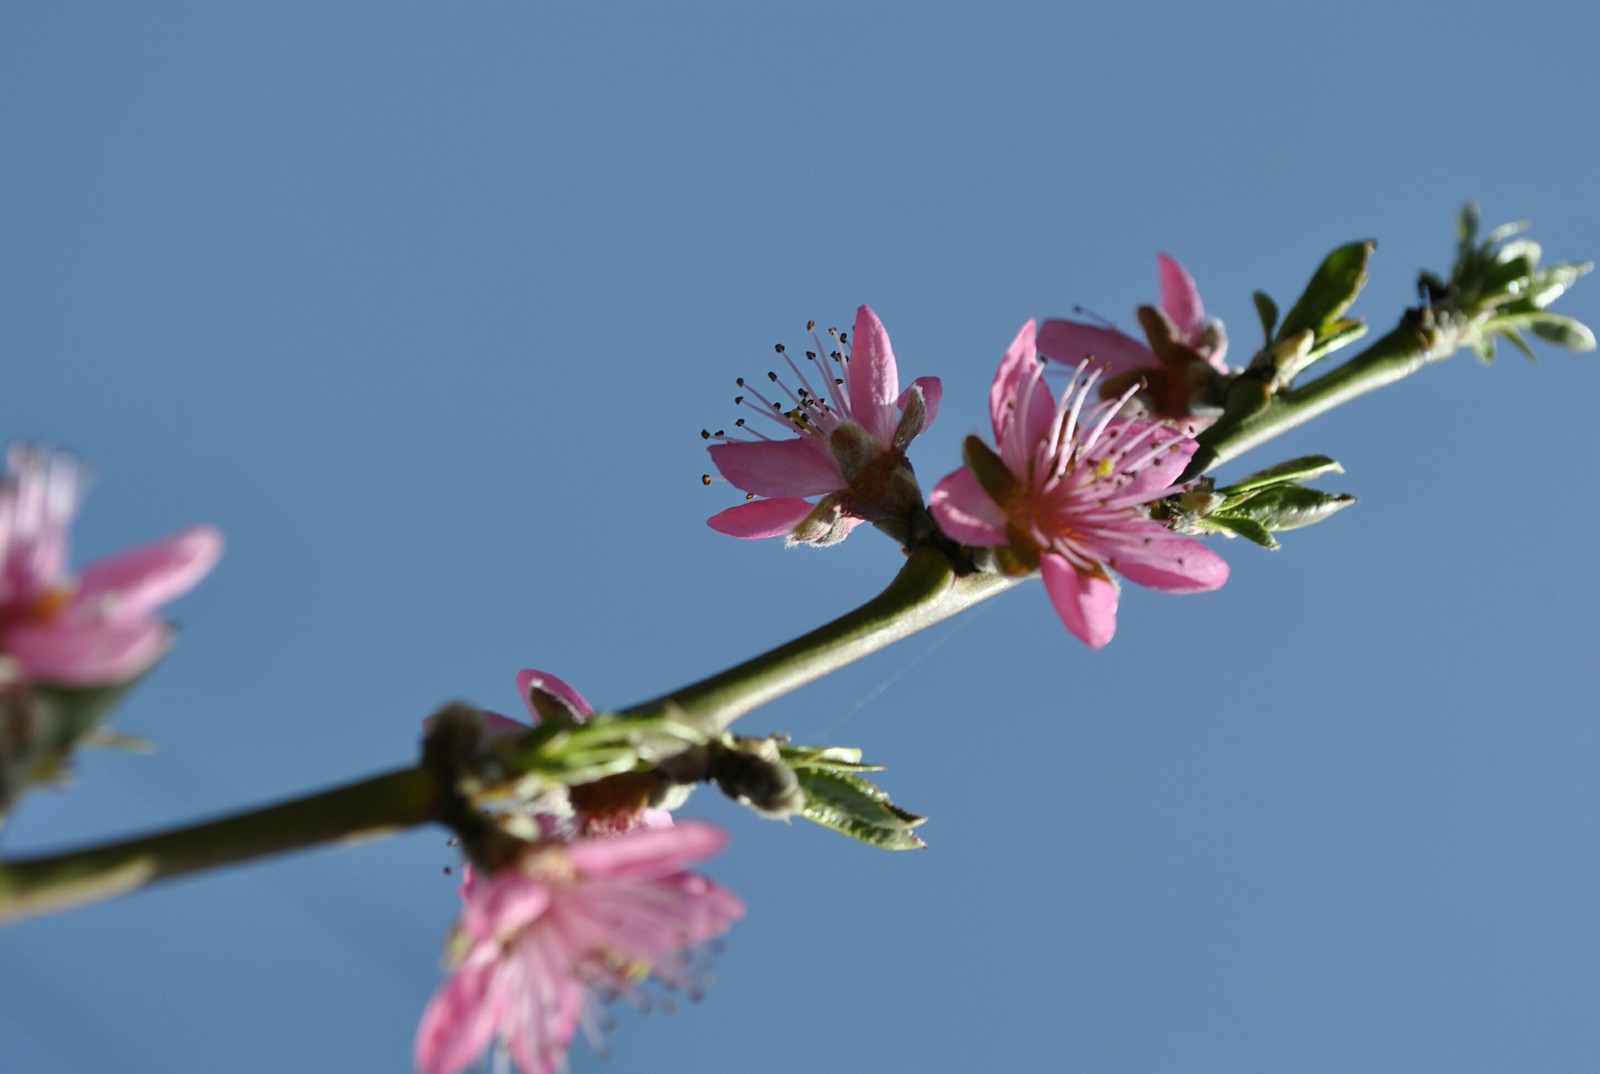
(778,347)
(705,434)
(705,479)
(772,376)
(811,326)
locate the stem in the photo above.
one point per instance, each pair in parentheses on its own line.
(1401,352)
(926,591)
(378,806)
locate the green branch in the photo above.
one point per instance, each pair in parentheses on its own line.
(378,806)
(926,591)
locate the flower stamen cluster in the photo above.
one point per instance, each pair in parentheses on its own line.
(1066,491)
(847,444)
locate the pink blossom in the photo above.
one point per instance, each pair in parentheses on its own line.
(101,627)
(844,443)
(536,943)
(1067,491)
(1179,367)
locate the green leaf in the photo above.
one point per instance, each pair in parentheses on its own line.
(1547,284)
(1303,468)
(1289,507)
(1333,287)
(825,758)
(1467,227)
(1524,249)
(1512,336)
(1564,331)
(1267,310)
(1248,528)
(853,806)
(80,710)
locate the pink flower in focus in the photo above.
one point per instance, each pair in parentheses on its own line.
(536,943)
(1180,366)
(100,628)
(1067,490)
(845,443)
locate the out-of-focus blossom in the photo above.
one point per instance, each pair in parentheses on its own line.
(1067,490)
(538,942)
(100,627)
(844,442)
(1179,368)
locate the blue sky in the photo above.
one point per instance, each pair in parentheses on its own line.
(425,306)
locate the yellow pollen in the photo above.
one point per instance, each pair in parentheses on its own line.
(1103,468)
(49,603)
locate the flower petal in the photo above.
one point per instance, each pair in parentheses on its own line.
(1111,352)
(1154,477)
(546,696)
(965,512)
(761,518)
(460,1019)
(874,382)
(1180,298)
(647,853)
(87,653)
(1016,378)
(1153,556)
(1087,603)
(132,583)
(799,467)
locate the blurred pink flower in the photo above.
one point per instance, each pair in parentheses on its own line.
(1186,351)
(536,943)
(1067,491)
(101,627)
(848,444)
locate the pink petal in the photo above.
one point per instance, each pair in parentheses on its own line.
(761,518)
(546,696)
(647,853)
(460,1019)
(1087,603)
(965,512)
(711,908)
(507,900)
(800,467)
(1180,298)
(78,653)
(1016,378)
(932,392)
(132,583)
(874,382)
(1112,352)
(493,722)
(1153,556)
(1156,476)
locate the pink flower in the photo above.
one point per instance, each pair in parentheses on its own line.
(100,628)
(1179,368)
(536,943)
(845,443)
(1067,491)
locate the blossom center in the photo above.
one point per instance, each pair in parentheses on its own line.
(48,603)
